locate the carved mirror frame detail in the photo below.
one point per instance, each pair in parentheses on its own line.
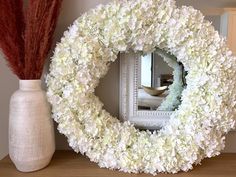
(128,109)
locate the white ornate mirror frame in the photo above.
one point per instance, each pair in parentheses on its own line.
(128,109)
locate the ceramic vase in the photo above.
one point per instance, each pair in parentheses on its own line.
(31,131)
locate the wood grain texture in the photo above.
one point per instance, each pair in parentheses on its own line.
(70,164)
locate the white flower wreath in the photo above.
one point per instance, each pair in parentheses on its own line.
(196,129)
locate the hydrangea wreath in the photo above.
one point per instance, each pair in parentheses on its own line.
(196,130)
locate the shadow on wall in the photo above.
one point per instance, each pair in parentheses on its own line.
(201,4)
(8,85)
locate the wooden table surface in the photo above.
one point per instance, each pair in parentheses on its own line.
(70,164)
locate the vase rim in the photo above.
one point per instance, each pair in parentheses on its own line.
(30,85)
(29,80)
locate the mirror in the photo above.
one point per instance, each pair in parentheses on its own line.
(150,88)
(160,82)
(157,71)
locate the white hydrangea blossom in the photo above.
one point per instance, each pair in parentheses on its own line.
(195,131)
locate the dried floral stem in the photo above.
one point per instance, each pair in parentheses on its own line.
(11,34)
(26,41)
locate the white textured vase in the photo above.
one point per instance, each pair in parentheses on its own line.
(31,132)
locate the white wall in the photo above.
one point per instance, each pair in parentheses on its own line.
(8,84)
(202,4)
(108,90)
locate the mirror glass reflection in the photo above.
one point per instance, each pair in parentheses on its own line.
(161,80)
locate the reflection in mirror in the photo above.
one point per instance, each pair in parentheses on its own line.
(161,80)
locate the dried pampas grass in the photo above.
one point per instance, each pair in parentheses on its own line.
(26,38)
